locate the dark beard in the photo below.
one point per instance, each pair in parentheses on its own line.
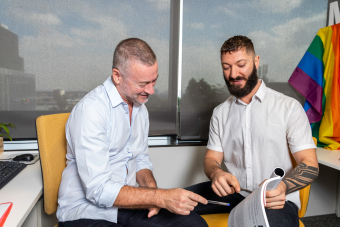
(248,87)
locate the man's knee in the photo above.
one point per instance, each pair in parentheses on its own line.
(195,219)
(174,220)
(287,216)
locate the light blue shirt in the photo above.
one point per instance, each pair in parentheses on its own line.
(104,152)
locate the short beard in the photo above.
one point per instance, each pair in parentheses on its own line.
(132,98)
(248,87)
(139,103)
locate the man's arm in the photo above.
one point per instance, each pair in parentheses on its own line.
(145,179)
(221,181)
(176,200)
(302,175)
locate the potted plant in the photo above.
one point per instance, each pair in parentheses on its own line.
(4,127)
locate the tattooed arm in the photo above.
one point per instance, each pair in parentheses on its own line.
(220,180)
(302,175)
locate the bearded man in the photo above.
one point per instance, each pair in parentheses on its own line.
(253,132)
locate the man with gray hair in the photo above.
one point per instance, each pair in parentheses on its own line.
(107,153)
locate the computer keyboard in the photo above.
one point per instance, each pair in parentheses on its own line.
(8,170)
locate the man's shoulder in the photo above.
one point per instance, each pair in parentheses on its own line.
(280,97)
(95,99)
(224,106)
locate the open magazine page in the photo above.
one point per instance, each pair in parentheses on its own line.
(251,211)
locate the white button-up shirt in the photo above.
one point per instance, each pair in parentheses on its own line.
(104,152)
(256,137)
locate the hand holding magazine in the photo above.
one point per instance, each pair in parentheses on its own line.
(251,211)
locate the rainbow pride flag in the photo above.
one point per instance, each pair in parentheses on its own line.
(317,78)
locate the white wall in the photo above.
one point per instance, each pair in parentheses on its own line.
(178,167)
(183,166)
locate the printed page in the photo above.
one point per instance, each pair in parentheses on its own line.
(278,172)
(251,211)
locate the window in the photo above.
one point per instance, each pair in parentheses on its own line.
(280,30)
(54,52)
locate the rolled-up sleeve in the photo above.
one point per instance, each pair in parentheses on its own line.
(299,133)
(87,133)
(143,160)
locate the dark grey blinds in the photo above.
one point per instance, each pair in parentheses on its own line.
(53,52)
(280,30)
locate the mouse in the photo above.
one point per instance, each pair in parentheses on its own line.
(24,157)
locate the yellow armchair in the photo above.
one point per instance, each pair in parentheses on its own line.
(52,150)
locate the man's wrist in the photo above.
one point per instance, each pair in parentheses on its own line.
(158,200)
(284,185)
(215,171)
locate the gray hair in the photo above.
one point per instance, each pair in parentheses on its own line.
(132,49)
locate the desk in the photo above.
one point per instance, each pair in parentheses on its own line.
(331,159)
(23,191)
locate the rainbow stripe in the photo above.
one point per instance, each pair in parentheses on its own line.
(317,78)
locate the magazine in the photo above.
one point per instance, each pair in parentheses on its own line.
(251,212)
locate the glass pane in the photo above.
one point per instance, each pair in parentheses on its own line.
(54,52)
(280,30)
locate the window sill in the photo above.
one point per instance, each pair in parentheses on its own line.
(163,141)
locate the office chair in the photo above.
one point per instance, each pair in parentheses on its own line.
(221,220)
(52,149)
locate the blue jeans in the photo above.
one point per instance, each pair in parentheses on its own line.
(131,218)
(287,216)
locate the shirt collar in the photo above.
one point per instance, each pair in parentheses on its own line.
(260,94)
(112,92)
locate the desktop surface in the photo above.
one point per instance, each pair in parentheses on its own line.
(23,191)
(329,158)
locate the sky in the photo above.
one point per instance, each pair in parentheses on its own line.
(69,44)
(281,31)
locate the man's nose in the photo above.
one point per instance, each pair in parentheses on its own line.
(149,89)
(233,72)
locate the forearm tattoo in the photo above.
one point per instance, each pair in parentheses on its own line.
(300,177)
(219,165)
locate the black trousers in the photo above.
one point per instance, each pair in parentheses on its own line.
(132,218)
(287,216)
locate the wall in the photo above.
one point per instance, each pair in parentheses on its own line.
(183,166)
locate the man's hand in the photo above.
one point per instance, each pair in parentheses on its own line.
(221,181)
(276,198)
(224,183)
(180,201)
(153,211)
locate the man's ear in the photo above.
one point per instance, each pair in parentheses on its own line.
(257,61)
(116,76)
